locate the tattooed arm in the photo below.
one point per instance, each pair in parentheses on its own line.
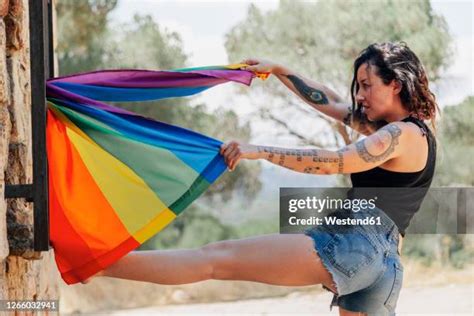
(368,153)
(317,95)
(326,101)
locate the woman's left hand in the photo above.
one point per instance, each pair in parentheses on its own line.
(234,151)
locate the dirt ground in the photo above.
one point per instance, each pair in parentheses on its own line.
(446,300)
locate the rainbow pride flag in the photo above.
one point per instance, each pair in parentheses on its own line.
(117,178)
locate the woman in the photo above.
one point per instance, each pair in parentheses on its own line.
(390,100)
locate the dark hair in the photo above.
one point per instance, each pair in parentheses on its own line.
(396,61)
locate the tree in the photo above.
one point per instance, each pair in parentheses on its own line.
(456,146)
(81,34)
(321,40)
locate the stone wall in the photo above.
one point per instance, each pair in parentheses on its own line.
(23,273)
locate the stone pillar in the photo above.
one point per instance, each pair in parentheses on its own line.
(23,274)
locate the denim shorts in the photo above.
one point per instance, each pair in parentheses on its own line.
(363,261)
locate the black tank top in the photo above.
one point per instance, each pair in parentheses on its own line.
(399,202)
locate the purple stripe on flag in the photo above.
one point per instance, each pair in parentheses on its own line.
(157,79)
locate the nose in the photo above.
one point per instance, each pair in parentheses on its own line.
(359,96)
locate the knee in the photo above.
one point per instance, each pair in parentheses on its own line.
(219,259)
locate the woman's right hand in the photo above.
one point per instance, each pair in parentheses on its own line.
(259,65)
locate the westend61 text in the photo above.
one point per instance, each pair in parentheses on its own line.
(329,220)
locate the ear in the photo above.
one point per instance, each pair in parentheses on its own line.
(397,86)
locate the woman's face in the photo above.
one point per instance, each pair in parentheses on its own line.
(376,98)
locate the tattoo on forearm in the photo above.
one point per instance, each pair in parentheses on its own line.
(310,169)
(300,153)
(325,159)
(309,93)
(394,132)
(270,157)
(293,152)
(340,163)
(282,160)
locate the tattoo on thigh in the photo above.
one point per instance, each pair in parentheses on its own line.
(309,93)
(361,147)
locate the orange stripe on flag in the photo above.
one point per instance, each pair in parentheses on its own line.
(78,190)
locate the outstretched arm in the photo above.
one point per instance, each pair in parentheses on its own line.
(317,95)
(368,153)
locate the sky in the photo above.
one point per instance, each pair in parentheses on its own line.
(203,24)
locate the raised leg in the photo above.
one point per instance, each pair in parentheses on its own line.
(276,259)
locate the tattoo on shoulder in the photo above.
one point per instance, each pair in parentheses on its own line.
(394,132)
(311,94)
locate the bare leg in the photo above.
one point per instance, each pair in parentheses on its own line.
(162,266)
(289,260)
